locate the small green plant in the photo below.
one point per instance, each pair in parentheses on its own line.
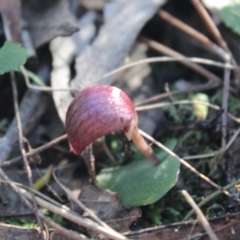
(19,222)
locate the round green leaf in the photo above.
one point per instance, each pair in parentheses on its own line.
(141,183)
(230,15)
(12,56)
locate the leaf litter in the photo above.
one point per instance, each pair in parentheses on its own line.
(106,40)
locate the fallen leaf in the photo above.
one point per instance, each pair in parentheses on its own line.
(9,232)
(14,207)
(106,206)
(48,19)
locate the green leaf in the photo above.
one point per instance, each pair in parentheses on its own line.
(140,183)
(230,15)
(12,56)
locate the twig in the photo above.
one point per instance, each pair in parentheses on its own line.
(176,107)
(21,146)
(89,160)
(109,154)
(195,34)
(37,193)
(200,156)
(34,151)
(210,197)
(72,216)
(200,215)
(137,233)
(169,59)
(225,106)
(235,135)
(30,111)
(170,52)
(184,163)
(65,232)
(207,86)
(132,64)
(13,186)
(43,89)
(59,209)
(215,32)
(210,24)
(165,104)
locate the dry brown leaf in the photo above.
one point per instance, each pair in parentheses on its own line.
(48,19)
(106,206)
(13,206)
(9,232)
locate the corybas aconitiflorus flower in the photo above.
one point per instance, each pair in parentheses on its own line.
(99,110)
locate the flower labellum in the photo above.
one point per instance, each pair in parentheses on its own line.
(98,110)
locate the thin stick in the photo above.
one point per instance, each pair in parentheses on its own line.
(89,160)
(44,89)
(37,193)
(138,233)
(35,151)
(235,135)
(200,215)
(71,234)
(184,163)
(71,216)
(21,146)
(169,59)
(226,84)
(80,204)
(221,151)
(170,52)
(210,197)
(132,64)
(68,233)
(195,34)
(210,24)
(206,86)
(165,104)
(59,209)
(176,107)
(215,32)
(200,156)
